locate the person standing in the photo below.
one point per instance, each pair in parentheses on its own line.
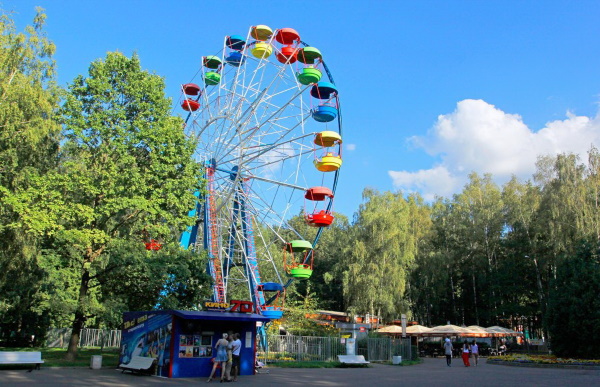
(221,358)
(235,352)
(448,351)
(229,358)
(466,352)
(475,352)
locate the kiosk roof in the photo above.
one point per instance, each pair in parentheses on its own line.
(207,315)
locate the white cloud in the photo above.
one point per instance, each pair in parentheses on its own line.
(431,182)
(479,137)
(350,147)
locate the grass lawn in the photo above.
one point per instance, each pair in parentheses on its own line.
(55,357)
(544,360)
(409,362)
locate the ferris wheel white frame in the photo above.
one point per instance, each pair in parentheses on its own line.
(254,135)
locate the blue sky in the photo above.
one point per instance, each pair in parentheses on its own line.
(430,90)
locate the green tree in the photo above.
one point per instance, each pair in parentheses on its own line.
(28,147)
(524,246)
(574,306)
(298,318)
(437,278)
(145,280)
(380,255)
(126,166)
(479,212)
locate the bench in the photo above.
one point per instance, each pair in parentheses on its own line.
(28,357)
(138,364)
(352,359)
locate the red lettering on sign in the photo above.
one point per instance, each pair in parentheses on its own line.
(241,306)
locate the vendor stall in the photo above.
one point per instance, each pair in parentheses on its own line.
(182,342)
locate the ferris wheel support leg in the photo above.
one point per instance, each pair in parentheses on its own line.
(262,337)
(189,236)
(251,264)
(232,238)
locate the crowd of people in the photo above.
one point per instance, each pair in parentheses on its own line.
(227,358)
(468,350)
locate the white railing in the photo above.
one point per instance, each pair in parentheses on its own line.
(103,338)
(308,348)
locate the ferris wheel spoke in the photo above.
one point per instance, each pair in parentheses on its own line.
(276,112)
(265,148)
(267,253)
(281,183)
(240,121)
(280,160)
(269,215)
(274,145)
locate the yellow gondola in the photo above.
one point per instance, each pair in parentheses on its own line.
(261,32)
(327,138)
(329,163)
(262,50)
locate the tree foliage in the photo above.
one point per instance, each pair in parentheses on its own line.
(574,306)
(126,169)
(29,142)
(381,253)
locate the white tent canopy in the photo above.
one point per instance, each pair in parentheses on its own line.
(450,330)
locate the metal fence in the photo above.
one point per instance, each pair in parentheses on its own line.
(280,348)
(402,347)
(308,348)
(59,338)
(301,348)
(384,348)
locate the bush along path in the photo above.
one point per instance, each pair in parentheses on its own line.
(543,361)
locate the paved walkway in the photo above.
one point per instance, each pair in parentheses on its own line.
(433,372)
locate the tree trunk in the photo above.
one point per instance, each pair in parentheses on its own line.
(453,298)
(80,317)
(475,298)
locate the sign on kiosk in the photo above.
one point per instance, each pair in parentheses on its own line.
(233,306)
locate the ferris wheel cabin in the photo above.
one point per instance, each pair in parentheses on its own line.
(330,161)
(261,32)
(275,309)
(289,38)
(318,217)
(298,259)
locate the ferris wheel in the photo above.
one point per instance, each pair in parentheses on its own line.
(265,113)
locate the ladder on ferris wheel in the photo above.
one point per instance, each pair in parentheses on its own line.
(252,263)
(214,261)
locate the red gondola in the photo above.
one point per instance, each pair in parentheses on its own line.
(190,89)
(153,245)
(190,105)
(287,36)
(287,54)
(316,217)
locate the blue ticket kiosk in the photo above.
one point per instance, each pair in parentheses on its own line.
(183,342)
